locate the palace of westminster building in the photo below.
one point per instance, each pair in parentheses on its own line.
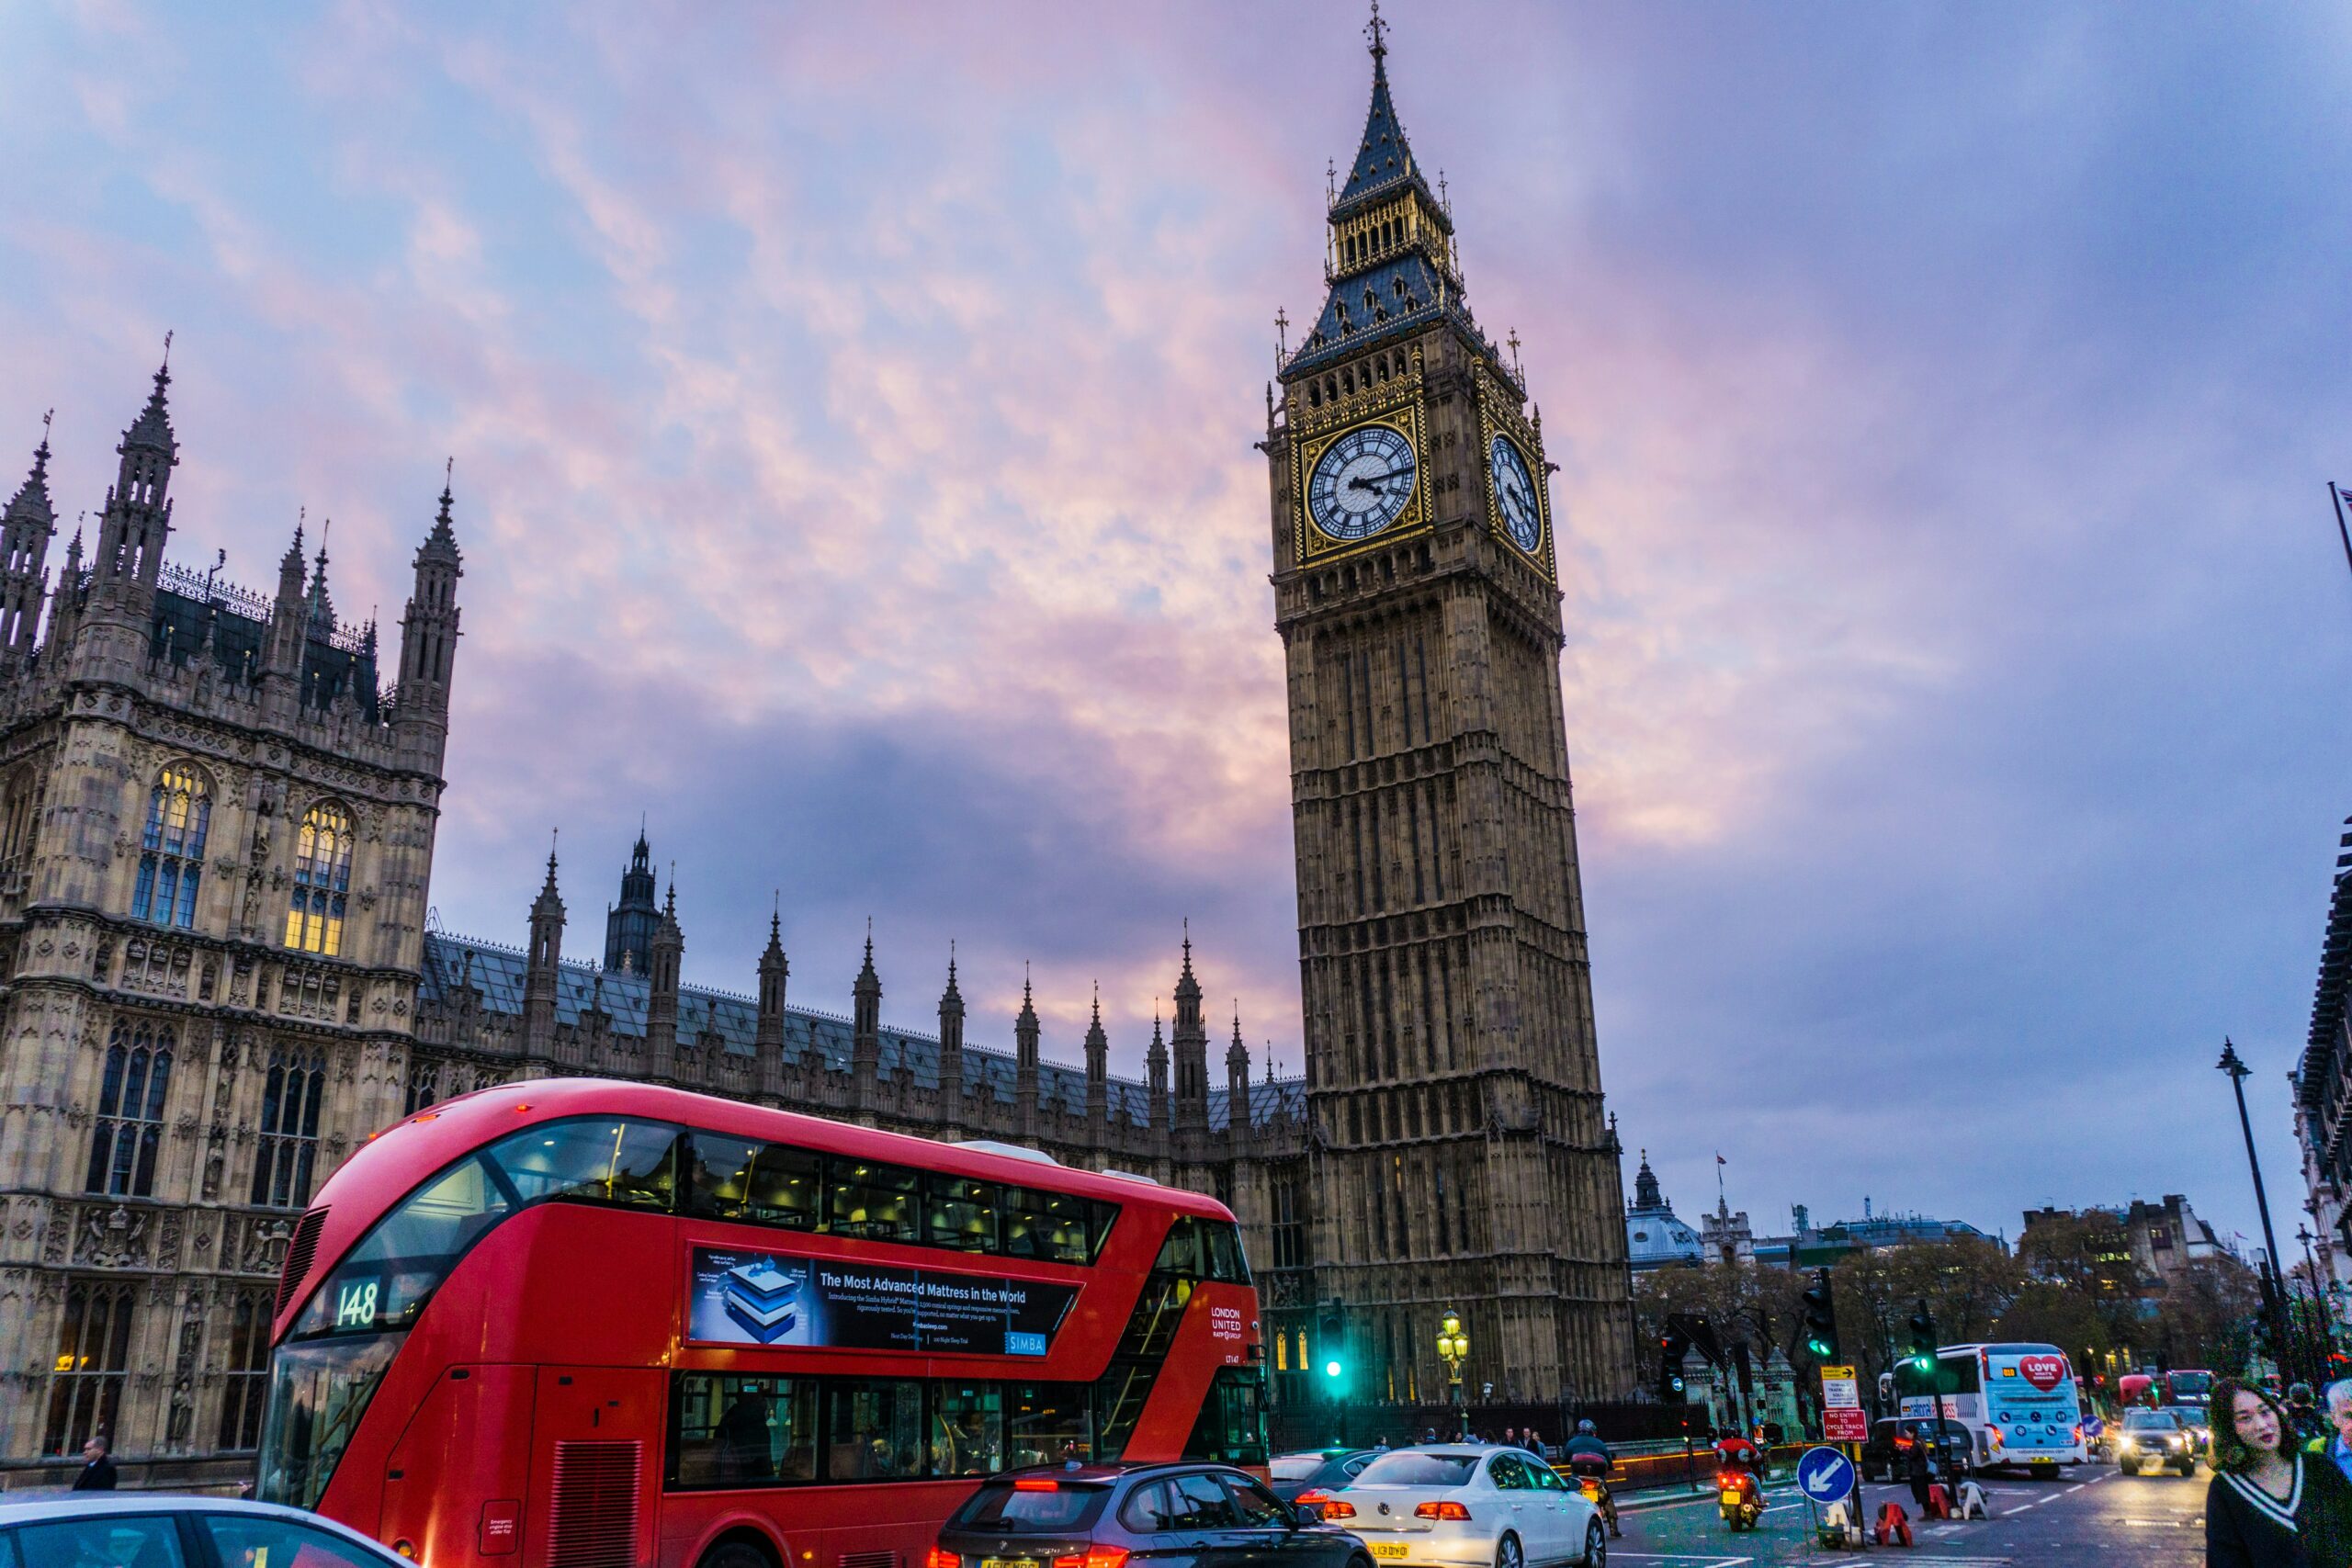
(217,819)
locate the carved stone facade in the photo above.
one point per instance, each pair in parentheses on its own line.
(216,837)
(1461,1152)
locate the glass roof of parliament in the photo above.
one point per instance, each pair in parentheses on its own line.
(451,962)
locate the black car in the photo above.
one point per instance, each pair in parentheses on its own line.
(1324,1468)
(1887,1455)
(1162,1515)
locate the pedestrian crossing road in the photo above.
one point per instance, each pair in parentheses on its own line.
(2089,1515)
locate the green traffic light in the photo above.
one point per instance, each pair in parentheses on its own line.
(1818,1346)
(1330,1368)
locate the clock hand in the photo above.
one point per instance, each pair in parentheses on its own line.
(1369,482)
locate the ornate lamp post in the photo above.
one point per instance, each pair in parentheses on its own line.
(1453,1349)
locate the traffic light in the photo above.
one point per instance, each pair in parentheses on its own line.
(1923,1340)
(1331,1347)
(1821,1320)
(1672,1345)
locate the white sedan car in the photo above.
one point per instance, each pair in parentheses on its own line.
(1466,1505)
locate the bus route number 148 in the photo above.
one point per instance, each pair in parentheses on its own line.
(355,1304)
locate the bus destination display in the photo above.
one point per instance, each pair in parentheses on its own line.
(740,1297)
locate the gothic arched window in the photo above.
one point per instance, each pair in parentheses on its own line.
(322,878)
(290,1130)
(130,1113)
(171,852)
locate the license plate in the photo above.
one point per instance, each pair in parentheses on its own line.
(1728,1497)
(1008,1562)
(1388,1550)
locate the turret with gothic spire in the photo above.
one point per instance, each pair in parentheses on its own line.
(1098,1075)
(1191,1039)
(132,536)
(951,1049)
(1155,1062)
(540,967)
(1237,1082)
(775,970)
(629,925)
(662,1002)
(24,531)
(865,1031)
(429,640)
(1024,1063)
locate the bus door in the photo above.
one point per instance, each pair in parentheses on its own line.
(471,1437)
(595,1465)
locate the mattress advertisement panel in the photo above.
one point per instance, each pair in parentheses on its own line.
(742,1296)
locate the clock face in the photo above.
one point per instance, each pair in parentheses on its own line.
(1361,483)
(1515,495)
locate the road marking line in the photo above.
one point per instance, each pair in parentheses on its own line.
(2008,1512)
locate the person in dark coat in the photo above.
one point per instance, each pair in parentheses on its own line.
(97,1468)
(1919,1470)
(2271,1504)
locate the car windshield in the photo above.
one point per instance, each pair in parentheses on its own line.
(2150,1421)
(1032,1503)
(1296,1467)
(1411,1469)
(2186,1415)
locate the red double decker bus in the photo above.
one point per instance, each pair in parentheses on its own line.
(584,1323)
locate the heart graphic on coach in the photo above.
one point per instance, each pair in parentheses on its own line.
(2043,1371)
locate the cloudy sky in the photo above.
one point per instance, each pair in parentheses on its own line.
(853,406)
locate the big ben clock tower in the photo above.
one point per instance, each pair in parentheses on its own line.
(1461,1155)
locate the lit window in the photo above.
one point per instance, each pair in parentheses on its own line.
(321,879)
(171,852)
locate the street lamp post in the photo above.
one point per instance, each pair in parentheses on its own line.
(2238,1072)
(1453,1349)
(2323,1328)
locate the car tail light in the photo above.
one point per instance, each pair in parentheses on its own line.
(1331,1508)
(1094,1556)
(1448,1509)
(1036,1483)
(941,1558)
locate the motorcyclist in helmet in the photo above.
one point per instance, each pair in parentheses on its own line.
(1590,1459)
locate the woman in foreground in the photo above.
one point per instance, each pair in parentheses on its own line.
(2270,1504)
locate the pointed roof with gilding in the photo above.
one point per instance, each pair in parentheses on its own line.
(1409,280)
(441,543)
(1383,159)
(153,428)
(31,503)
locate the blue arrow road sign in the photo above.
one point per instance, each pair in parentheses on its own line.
(1824,1475)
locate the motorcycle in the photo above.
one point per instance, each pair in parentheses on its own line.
(1595,1488)
(1741,1499)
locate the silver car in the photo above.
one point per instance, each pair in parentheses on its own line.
(1467,1506)
(164,1529)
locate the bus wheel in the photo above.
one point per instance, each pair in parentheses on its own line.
(736,1554)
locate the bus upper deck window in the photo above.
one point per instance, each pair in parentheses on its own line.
(1049,1225)
(870,1200)
(961,1213)
(601,1159)
(756,1183)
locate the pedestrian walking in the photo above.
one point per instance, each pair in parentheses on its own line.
(2271,1504)
(97,1467)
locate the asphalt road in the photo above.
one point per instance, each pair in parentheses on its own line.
(2089,1515)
